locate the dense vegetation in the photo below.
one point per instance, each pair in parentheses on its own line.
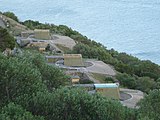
(6,40)
(16,112)
(27,93)
(150,106)
(11,15)
(142,83)
(33,90)
(25,74)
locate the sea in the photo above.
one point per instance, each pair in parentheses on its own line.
(131,26)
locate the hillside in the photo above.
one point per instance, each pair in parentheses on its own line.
(15,27)
(133,70)
(32,89)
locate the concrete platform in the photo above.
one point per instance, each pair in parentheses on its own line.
(136,96)
(101,68)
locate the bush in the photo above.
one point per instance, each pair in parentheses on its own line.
(16,112)
(76,104)
(109,80)
(52,76)
(17,78)
(150,105)
(145,84)
(126,80)
(6,40)
(86,81)
(11,15)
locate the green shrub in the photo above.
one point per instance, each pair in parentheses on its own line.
(76,104)
(126,80)
(150,106)
(16,112)
(52,76)
(11,15)
(109,80)
(145,84)
(86,81)
(17,78)
(6,40)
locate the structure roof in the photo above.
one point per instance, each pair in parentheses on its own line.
(73,60)
(41,30)
(107,85)
(75,77)
(54,57)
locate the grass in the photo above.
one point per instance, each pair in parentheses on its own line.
(99,77)
(102,78)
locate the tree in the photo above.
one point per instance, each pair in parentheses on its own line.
(16,112)
(6,40)
(11,15)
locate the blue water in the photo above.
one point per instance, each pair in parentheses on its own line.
(131,26)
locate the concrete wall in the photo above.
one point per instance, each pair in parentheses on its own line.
(42,34)
(109,92)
